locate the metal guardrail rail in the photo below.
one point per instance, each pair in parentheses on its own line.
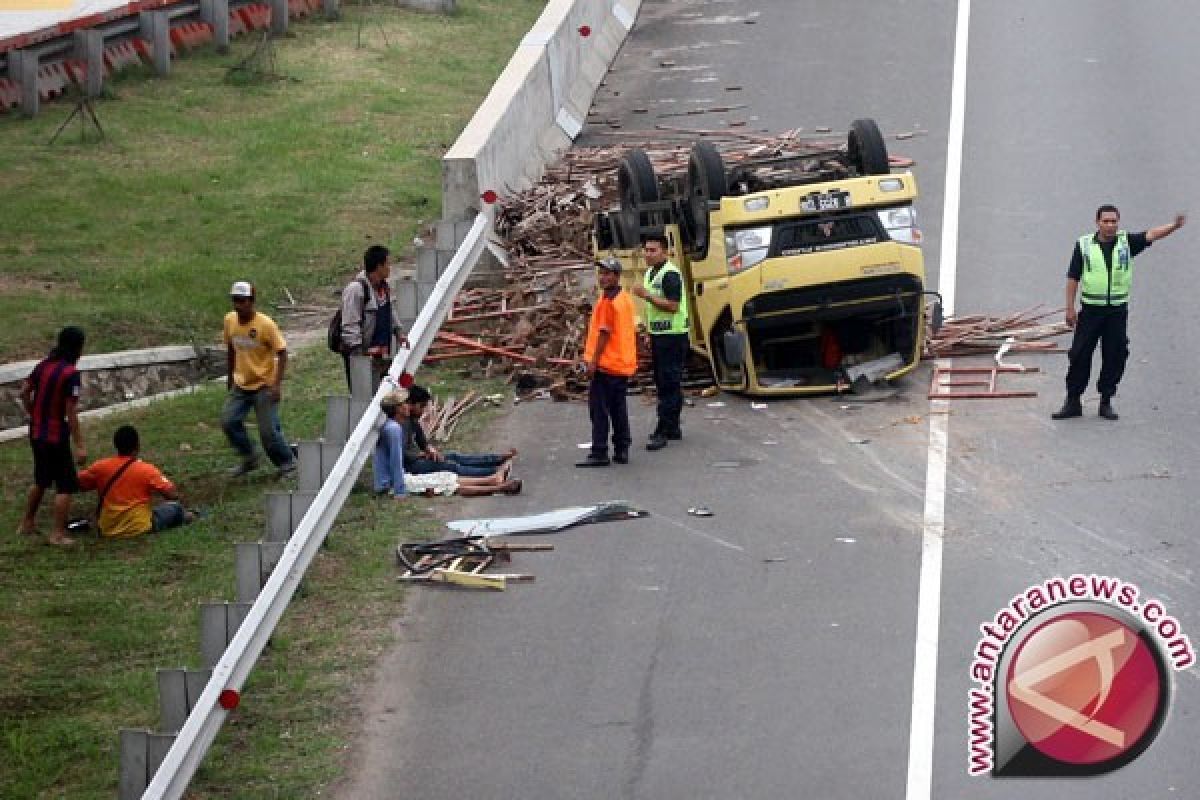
(203,723)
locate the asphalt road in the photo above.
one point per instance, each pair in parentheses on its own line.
(767,651)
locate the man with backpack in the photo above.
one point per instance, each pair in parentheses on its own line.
(368,324)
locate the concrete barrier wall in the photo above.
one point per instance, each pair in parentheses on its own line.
(538,104)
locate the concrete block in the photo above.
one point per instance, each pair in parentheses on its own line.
(279,16)
(131,758)
(316,462)
(155,28)
(178,691)
(89,48)
(341,416)
(427,264)
(461,228)
(405,303)
(216,13)
(218,625)
(424,291)
(247,571)
(284,512)
(444,257)
(23,69)
(141,751)
(432,6)
(362,378)
(444,235)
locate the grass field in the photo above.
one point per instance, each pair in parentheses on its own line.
(202,182)
(137,239)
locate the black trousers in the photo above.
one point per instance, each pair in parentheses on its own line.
(606,403)
(670,353)
(1105,325)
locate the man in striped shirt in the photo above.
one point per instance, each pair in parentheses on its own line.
(50,396)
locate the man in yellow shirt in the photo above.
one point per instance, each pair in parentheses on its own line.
(257,359)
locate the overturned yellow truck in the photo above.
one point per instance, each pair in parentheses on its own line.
(803,270)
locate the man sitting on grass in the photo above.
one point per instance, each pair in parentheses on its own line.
(388,463)
(420,457)
(125,486)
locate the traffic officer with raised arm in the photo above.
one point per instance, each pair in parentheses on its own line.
(667,323)
(1102,266)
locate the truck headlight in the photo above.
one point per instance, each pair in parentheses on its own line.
(746,247)
(901,224)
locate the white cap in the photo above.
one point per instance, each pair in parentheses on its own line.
(242,289)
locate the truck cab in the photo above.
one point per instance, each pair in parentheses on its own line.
(800,277)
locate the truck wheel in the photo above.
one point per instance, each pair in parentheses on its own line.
(706,183)
(865,148)
(636,186)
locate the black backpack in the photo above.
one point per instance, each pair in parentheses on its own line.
(333,336)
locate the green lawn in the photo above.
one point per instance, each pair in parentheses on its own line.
(137,239)
(203,182)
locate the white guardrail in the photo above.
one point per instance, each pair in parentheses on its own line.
(190,746)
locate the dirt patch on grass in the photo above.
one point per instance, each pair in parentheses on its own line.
(20,284)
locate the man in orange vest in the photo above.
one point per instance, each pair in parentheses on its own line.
(610,359)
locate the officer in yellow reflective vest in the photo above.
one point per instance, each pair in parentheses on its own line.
(667,322)
(1102,265)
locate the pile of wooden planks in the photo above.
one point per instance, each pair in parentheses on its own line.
(533,327)
(442,417)
(981,334)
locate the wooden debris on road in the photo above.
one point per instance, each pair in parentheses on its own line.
(981,334)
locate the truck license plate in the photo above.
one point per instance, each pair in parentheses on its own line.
(833,200)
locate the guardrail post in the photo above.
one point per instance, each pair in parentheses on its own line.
(284,512)
(316,462)
(218,624)
(89,47)
(252,566)
(362,378)
(330,9)
(427,264)
(155,27)
(141,752)
(405,302)
(341,415)
(216,13)
(23,69)
(279,17)
(178,691)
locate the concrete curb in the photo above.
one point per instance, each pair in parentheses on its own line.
(538,105)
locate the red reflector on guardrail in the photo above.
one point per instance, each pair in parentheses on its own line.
(489,197)
(228,699)
(585,31)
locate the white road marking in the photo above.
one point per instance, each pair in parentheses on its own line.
(929,601)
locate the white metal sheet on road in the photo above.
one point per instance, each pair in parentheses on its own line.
(768,651)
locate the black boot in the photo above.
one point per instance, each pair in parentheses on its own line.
(1071,407)
(656,442)
(1106,410)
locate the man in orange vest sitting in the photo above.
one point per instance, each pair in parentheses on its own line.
(610,359)
(125,486)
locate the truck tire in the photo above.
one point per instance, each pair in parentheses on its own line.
(706,183)
(636,186)
(865,148)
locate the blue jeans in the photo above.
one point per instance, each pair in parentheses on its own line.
(470,465)
(237,406)
(167,515)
